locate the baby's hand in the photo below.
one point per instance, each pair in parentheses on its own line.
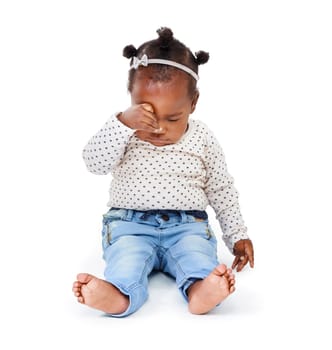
(140,117)
(244,252)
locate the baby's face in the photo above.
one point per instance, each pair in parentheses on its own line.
(171,105)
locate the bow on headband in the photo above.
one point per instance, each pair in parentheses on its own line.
(143,61)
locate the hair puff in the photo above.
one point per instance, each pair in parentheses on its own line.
(165,37)
(202,57)
(129,51)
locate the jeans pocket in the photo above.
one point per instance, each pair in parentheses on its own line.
(209,232)
(106,235)
(108,221)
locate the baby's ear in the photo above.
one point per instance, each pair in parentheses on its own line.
(194,101)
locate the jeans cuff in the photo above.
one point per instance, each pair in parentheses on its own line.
(187,283)
(137,295)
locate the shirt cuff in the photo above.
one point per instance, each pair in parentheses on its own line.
(232,237)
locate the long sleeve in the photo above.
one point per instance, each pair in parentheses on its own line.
(106,148)
(222,195)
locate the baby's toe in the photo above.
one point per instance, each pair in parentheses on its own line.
(76,287)
(77,284)
(220,270)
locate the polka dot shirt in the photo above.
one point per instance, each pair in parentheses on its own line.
(188,175)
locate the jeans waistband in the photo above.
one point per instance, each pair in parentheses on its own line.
(199,214)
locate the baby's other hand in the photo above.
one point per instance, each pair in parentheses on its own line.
(140,117)
(244,252)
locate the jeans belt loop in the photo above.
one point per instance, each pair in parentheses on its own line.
(184,217)
(130,214)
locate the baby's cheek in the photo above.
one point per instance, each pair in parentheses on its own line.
(177,133)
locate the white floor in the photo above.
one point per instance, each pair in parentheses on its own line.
(164,320)
(271,308)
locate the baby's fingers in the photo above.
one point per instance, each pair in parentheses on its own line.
(149,119)
(240,262)
(243,262)
(251,260)
(149,125)
(250,253)
(149,113)
(147,107)
(235,262)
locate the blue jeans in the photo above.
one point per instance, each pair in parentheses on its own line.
(137,242)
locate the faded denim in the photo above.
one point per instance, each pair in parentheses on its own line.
(136,242)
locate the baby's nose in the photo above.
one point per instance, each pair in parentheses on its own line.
(161,130)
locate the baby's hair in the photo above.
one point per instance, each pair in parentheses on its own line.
(168,48)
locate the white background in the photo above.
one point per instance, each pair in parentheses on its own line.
(266,92)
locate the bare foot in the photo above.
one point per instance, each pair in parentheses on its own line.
(204,295)
(99,294)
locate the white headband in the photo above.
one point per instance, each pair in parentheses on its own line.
(145,61)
